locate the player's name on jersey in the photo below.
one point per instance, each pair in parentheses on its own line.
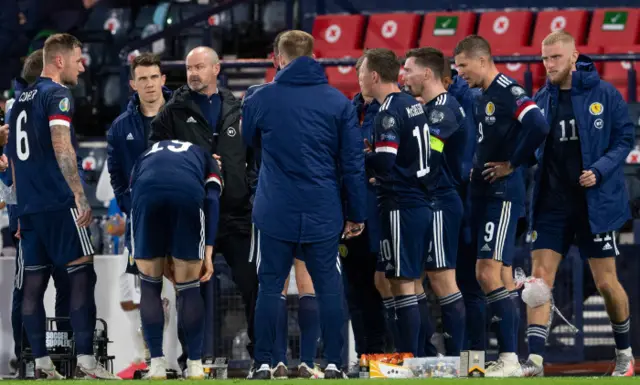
(415,110)
(28,96)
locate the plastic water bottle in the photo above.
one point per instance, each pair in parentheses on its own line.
(107,240)
(239,349)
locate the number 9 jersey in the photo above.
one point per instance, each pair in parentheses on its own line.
(40,185)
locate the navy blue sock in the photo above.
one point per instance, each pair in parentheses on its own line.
(515,297)
(309,322)
(408,324)
(537,339)
(502,307)
(82,309)
(191,315)
(621,334)
(282,334)
(36,280)
(391,318)
(475,325)
(425,347)
(152,314)
(453,322)
(268,310)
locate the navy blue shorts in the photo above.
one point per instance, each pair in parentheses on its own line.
(447,219)
(167,227)
(495,222)
(53,238)
(559,227)
(406,234)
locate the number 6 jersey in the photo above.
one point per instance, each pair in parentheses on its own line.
(40,185)
(400,160)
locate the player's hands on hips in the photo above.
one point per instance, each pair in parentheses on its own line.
(496,170)
(588,178)
(207,266)
(4,134)
(84,211)
(219,160)
(352,229)
(4,163)
(368,147)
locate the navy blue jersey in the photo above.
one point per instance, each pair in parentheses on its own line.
(402,158)
(181,168)
(447,142)
(563,157)
(499,113)
(40,185)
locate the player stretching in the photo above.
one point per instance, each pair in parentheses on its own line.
(52,207)
(424,68)
(578,195)
(174,186)
(510,128)
(400,161)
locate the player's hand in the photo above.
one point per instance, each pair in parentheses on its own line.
(84,211)
(496,170)
(207,266)
(116,226)
(169,270)
(4,163)
(18,231)
(368,147)
(4,134)
(219,160)
(352,229)
(372,181)
(588,178)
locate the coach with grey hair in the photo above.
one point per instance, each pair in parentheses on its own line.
(209,116)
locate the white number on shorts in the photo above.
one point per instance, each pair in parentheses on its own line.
(183,146)
(488,229)
(385,249)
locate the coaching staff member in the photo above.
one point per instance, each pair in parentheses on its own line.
(209,116)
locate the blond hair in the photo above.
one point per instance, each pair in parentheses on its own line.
(294,44)
(558,37)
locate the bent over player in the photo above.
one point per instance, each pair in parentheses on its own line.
(400,160)
(510,128)
(175,191)
(579,195)
(423,75)
(52,207)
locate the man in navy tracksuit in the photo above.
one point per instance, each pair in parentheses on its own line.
(308,143)
(360,257)
(474,299)
(580,196)
(30,72)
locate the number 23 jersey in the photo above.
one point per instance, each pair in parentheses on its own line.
(401,159)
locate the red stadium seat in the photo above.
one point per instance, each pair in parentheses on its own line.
(616,72)
(269,75)
(337,32)
(506,29)
(344,78)
(573,22)
(620,26)
(396,31)
(443,30)
(517,70)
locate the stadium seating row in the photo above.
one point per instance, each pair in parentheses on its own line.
(615,30)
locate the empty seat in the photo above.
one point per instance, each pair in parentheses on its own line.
(573,22)
(337,32)
(517,70)
(396,31)
(506,29)
(617,72)
(443,30)
(620,26)
(344,78)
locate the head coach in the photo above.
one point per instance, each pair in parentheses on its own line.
(209,116)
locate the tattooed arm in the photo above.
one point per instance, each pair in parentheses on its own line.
(67,161)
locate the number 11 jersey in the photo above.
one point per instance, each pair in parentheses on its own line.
(40,185)
(402,149)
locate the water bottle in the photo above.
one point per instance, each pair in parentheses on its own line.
(239,349)
(96,234)
(107,239)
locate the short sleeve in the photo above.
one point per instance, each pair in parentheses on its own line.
(520,104)
(387,138)
(59,107)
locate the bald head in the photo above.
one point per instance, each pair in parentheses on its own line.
(203,67)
